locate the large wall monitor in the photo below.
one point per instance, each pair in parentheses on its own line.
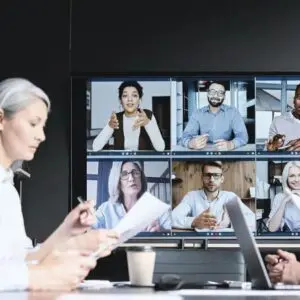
(194,142)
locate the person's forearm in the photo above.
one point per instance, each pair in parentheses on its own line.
(185,140)
(183,222)
(46,247)
(275,221)
(239,141)
(155,136)
(102,138)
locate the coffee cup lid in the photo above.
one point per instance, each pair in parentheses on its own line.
(145,248)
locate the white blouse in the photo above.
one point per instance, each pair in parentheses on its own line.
(291,215)
(14,242)
(131,136)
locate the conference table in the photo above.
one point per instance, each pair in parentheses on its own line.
(149,294)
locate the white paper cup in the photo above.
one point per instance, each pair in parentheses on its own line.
(141,263)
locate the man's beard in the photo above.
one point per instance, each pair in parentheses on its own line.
(217,102)
(210,190)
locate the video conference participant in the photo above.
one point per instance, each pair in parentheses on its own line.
(126,184)
(205,208)
(134,128)
(63,260)
(285,129)
(216,123)
(285,213)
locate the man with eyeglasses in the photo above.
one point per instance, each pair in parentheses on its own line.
(284,132)
(216,123)
(205,209)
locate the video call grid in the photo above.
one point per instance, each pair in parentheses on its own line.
(217,155)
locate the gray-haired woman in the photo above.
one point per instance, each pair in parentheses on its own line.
(59,262)
(126,183)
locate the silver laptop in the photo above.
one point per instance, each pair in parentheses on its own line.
(254,262)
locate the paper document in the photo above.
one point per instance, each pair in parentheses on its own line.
(95,284)
(146,210)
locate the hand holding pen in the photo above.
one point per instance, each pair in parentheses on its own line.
(78,221)
(107,239)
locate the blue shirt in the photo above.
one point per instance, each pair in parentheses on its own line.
(195,202)
(226,124)
(109,214)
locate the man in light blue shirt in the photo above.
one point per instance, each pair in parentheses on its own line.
(205,209)
(215,123)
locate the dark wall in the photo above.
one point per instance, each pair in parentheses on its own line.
(130,36)
(194,36)
(35,45)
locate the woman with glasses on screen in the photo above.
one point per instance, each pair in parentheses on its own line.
(126,184)
(63,260)
(285,211)
(133,128)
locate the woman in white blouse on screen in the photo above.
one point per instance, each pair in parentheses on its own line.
(126,184)
(61,262)
(133,128)
(285,212)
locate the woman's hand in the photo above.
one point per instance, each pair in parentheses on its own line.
(92,241)
(153,227)
(79,220)
(60,270)
(113,122)
(141,120)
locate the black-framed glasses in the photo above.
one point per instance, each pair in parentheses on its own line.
(135,173)
(213,175)
(214,93)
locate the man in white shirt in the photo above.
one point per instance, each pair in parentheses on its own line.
(205,209)
(287,127)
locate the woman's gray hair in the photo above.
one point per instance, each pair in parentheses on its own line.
(114,191)
(285,173)
(16,94)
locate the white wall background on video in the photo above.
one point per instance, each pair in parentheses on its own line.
(91,185)
(98,172)
(273,97)
(105,98)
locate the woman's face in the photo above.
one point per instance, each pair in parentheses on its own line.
(294,178)
(130,99)
(22,133)
(130,177)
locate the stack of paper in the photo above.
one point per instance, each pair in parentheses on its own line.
(146,210)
